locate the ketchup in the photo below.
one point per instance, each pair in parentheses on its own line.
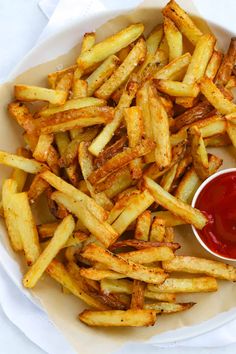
(217,201)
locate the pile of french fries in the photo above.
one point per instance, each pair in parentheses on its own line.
(118,149)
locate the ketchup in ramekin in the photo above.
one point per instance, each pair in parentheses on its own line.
(216,198)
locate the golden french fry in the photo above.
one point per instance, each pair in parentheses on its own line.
(121,74)
(227,64)
(60,237)
(35,93)
(218,140)
(116,182)
(169,218)
(157,232)
(182,21)
(80,89)
(118,318)
(166,307)
(37,187)
(99,274)
(137,297)
(176,88)
(47,230)
(199,153)
(168,178)
(197,265)
(198,64)
(174,69)
(55,76)
(154,39)
(120,160)
(189,285)
(176,206)
(214,64)
(143,226)
(139,204)
(148,255)
(134,125)
(57,271)
(65,82)
(23,163)
(110,46)
(42,147)
(188,186)
(120,205)
(174,39)
(216,97)
(120,265)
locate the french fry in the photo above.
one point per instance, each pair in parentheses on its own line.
(107,133)
(57,271)
(23,163)
(188,186)
(176,88)
(102,73)
(18,175)
(55,76)
(137,297)
(227,64)
(157,230)
(198,64)
(217,140)
(86,165)
(24,118)
(174,69)
(143,226)
(37,187)
(80,90)
(169,234)
(231,130)
(74,193)
(118,264)
(9,188)
(199,153)
(215,97)
(174,39)
(166,307)
(189,285)
(109,46)
(35,93)
(168,178)
(134,125)
(116,183)
(42,147)
(197,265)
(154,39)
(111,151)
(120,160)
(182,21)
(100,229)
(120,205)
(176,206)
(214,64)
(99,274)
(231,83)
(117,318)
(148,255)
(47,230)
(121,74)
(139,204)
(169,218)
(160,128)
(139,244)
(75,103)
(65,82)
(60,237)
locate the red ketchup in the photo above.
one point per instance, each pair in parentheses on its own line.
(218,201)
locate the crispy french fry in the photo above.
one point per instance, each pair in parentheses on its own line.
(189,285)
(182,21)
(65,82)
(47,230)
(174,39)
(215,97)
(214,64)
(37,187)
(110,46)
(227,64)
(86,165)
(105,233)
(188,186)
(157,232)
(111,151)
(176,206)
(117,318)
(42,147)
(169,218)
(160,128)
(120,205)
(176,88)
(169,234)
(137,297)
(198,64)
(116,183)
(139,244)
(143,226)
(154,39)
(217,140)
(57,271)
(168,178)
(24,118)
(102,73)
(55,76)
(118,264)
(199,153)
(60,237)
(120,160)
(134,125)
(80,89)
(166,307)
(148,255)
(35,93)
(99,274)
(18,175)
(23,163)
(74,193)
(139,204)
(197,265)
(121,74)
(107,133)
(174,69)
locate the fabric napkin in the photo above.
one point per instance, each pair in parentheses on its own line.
(18,308)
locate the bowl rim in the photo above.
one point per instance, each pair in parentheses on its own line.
(196,195)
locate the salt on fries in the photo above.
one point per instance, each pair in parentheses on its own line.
(119,162)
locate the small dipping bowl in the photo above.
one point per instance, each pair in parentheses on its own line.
(216,198)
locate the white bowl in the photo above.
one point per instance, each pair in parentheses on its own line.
(199,190)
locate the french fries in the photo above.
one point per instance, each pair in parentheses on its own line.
(120,141)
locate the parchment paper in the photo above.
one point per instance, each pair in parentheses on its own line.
(63,309)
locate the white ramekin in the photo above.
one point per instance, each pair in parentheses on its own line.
(202,186)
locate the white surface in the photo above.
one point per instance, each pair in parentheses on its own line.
(32,22)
